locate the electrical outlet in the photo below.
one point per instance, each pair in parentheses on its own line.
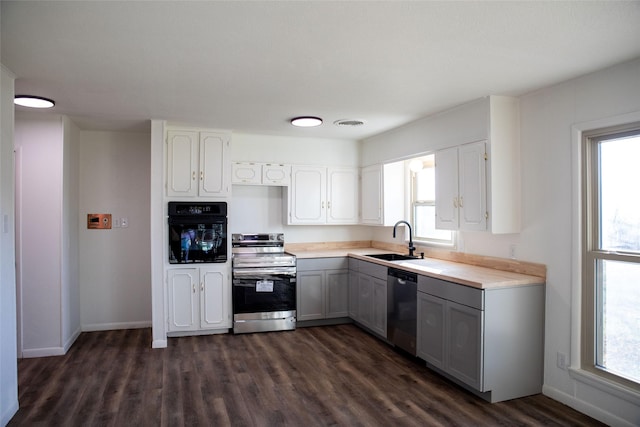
(561,361)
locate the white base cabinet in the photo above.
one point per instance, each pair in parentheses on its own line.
(198,299)
(489,341)
(322,288)
(368,295)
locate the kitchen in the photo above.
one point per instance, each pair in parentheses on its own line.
(546,118)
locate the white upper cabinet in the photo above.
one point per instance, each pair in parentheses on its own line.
(478,184)
(197,164)
(253,173)
(248,173)
(461,201)
(382,194)
(320,195)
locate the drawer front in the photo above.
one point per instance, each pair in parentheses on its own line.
(310,264)
(373,269)
(455,292)
(354,264)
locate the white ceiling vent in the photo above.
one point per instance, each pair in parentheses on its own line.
(348,122)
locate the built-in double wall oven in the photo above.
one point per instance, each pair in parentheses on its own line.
(197,232)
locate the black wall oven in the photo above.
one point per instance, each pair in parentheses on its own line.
(197,232)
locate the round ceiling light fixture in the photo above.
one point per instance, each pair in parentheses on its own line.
(306,121)
(33,101)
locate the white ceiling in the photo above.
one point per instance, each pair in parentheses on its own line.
(251,66)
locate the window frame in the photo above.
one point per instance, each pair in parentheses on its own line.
(412,203)
(591,252)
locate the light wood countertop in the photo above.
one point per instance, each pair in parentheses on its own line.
(466,274)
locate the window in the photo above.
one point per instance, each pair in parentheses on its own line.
(423,202)
(611,254)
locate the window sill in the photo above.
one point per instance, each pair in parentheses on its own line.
(605,385)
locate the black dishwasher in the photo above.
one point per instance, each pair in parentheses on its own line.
(402,309)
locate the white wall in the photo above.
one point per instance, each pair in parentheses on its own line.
(8,344)
(39,187)
(550,184)
(115,265)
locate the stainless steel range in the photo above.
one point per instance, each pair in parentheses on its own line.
(264,283)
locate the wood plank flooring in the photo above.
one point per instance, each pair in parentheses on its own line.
(322,376)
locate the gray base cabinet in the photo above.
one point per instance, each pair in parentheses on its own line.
(488,340)
(322,288)
(368,295)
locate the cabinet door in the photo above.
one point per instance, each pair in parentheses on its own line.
(472,186)
(464,352)
(379,316)
(182,163)
(183,299)
(308,191)
(431,329)
(310,295)
(213,164)
(337,293)
(365,300)
(447,189)
(276,174)
(371,190)
(214,300)
(246,173)
(342,196)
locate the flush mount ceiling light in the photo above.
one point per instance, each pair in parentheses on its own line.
(306,121)
(33,101)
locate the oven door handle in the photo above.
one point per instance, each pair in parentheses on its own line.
(258,273)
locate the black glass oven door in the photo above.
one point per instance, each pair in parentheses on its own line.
(257,293)
(197,241)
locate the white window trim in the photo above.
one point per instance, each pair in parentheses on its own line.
(575,370)
(409,192)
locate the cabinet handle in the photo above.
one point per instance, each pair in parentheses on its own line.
(193,175)
(202,287)
(194,289)
(455,202)
(201,176)
(329,204)
(461,201)
(322,205)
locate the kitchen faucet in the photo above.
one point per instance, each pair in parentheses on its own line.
(411,247)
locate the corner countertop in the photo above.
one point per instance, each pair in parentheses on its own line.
(457,272)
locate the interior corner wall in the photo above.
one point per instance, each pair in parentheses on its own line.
(70,298)
(39,169)
(8,342)
(115,264)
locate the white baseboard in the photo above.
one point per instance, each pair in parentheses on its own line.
(43,352)
(586,408)
(71,340)
(93,327)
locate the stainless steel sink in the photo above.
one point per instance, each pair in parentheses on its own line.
(392,257)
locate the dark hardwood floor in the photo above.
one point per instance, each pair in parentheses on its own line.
(332,375)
